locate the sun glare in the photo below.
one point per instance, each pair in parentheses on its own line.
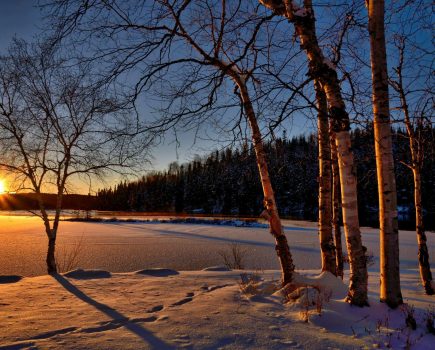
(2,187)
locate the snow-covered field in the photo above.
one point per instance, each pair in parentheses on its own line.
(169,309)
(123,247)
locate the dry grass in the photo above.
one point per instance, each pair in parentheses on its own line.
(430,319)
(234,257)
(309,298)
(67,256)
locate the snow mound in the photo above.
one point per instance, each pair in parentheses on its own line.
(9,278)
(81,274)
(325,286)
(255,290)
(220,268)
(326,281)
(157,272)
(304,297)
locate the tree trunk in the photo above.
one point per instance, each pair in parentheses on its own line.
(51,260)
(416,156)
(423,254)
(388,222)
(417,159)
(357,294)
(336,206)
(51,235)
(327,247)
(324,71)
(281,244)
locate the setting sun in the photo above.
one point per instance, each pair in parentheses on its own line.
(2,187)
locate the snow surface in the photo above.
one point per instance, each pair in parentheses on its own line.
(166,308)
(131,246)
(196,310)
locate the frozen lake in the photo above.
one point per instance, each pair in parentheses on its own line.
(123,247)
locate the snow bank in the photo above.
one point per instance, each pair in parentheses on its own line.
(10,278)
(157,272)
(196,221)
(325,281)
(220,268)
(81,274)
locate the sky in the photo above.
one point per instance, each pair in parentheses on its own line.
(20,18)
(23,19)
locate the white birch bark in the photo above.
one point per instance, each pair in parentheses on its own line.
(336,206)
(272,215)
(324,71)
(390,291)
(327,248)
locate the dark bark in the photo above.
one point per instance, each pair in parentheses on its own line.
(326,239)
(336,206)
(51,260)
(423,254)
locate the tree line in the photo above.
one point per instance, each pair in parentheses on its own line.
(226,182)
(30,201)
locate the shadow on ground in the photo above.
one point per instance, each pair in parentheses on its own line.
(147,336)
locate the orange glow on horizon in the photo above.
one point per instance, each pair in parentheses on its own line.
(2,187)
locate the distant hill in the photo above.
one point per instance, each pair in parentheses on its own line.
(28,201)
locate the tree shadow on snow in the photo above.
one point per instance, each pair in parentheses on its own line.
(210,237)
(146,335)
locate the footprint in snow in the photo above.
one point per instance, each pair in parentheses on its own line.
(288,342)
(182,301)
(211,289)
(155,308)
(274,328)
(183,340)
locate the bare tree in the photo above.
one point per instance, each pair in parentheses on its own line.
(190,54)
(414,123)
(57,126)
(323,70)
(389,228)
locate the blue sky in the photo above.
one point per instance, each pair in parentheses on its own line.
(22,18)
(18,17)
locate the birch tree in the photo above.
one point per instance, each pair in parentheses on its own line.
(299,101)
(57,126)
(336,204)
(390,292)
(327,247)
(414,125)
(324,71)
